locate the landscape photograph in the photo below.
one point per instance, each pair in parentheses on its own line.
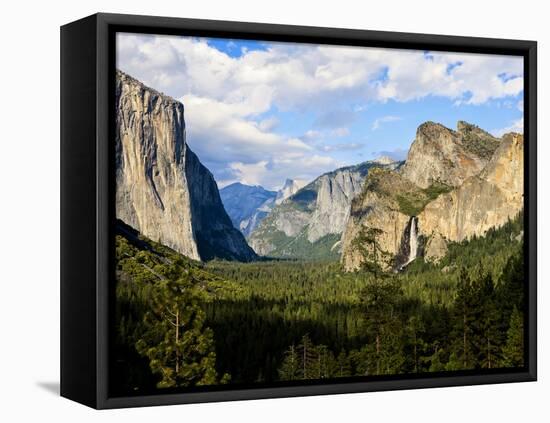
(301,213)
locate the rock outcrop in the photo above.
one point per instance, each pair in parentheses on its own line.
(317,212)
(456,183)
(162,189)
(441,155)
(483,201)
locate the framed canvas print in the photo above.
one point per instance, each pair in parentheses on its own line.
(256,211)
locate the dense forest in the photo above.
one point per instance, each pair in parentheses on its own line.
(181,323)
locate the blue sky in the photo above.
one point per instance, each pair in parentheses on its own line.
(260,112)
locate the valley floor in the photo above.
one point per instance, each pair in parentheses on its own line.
(273,321)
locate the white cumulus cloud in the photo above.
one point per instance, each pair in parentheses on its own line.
(229,101)
(515,126)
(385,119)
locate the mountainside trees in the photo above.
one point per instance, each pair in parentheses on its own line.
(456,315)
(162,340)
(180,323)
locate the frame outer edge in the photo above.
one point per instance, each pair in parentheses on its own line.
(77,211)
(442,42)
(103,198)
(532,218)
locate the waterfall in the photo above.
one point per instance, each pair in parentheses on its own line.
(409,244)
(413,240)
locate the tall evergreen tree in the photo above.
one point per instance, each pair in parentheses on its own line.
(464,320)
(308,358)
(513,350)
(179,347)
(290,368)
(380,300)
(368,246)
(488,317)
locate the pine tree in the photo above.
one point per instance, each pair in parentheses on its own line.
(373,256)
(290,368)
(464,319)
(415,329)
(489,336)
(513,350)
(326,363)
(179,347)
(343,365)
(380,299)
(308,358)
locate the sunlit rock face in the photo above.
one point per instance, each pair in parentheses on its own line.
(480,183)
(162,189)
(483,201)
(441,155)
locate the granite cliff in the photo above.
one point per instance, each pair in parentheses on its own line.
(441,155)
(162,189)
(482,202)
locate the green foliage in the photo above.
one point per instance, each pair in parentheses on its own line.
(479,142)
(161,337)
(179,347)
(513,349)
(374,258)
(300,248)
(381,301)
(291,365)
(276,320)
(412,203)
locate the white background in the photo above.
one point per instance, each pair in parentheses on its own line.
(29,210)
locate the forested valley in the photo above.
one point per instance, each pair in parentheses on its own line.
(181,323)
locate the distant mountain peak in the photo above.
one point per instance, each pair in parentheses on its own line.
(247,205)
(383,160)
(290,187)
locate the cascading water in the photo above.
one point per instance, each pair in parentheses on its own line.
(409,244)
(413,240)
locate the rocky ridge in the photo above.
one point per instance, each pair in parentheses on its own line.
(316,213)
(456,184)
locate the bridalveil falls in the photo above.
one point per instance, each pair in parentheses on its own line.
(409,245)
(413,239)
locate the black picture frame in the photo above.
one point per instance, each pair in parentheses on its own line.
(87,75)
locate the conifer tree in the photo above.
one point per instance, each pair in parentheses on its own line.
(489,337)
(308,358)
(179,347)
(343,365)
(513,350)
(373,256)
(464,319)
(380,299)
(290,368)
